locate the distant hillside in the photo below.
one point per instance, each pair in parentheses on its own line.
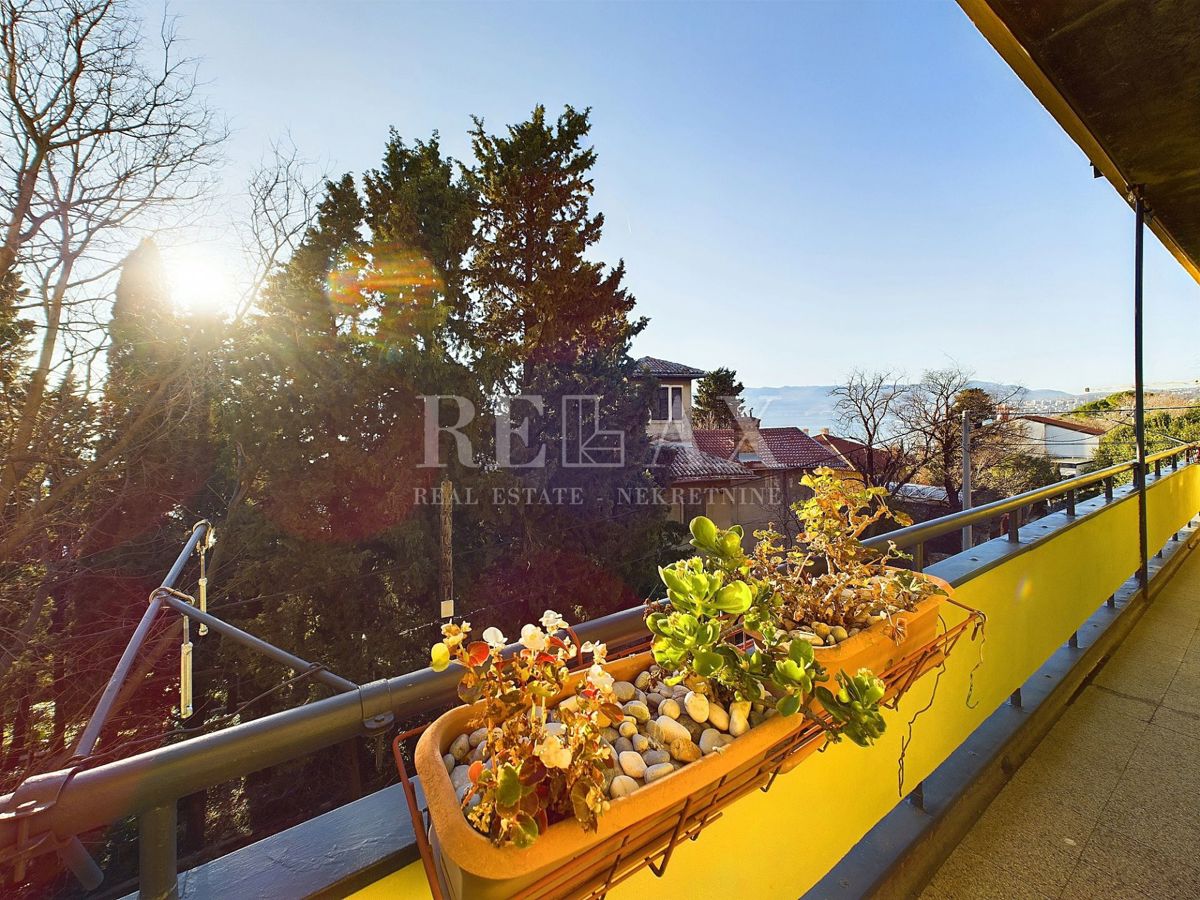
(813,406)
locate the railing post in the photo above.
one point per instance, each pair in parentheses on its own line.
(1014,526)
(917,797)
(1108,490)
(919,557)
(1158,468)
(1071,503)
(157,878)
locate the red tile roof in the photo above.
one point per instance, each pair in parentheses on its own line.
(854,452)
(777,448)
(682,464)
(664,368)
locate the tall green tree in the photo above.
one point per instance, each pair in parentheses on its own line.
(718,396)
(556,324)
(420,211)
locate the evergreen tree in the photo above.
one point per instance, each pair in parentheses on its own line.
(557,325)
(718,394)
(421,215)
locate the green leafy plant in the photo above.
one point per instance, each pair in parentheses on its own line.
(714,598)
(830,585)
(542,763)
(855,707)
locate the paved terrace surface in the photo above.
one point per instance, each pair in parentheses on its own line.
(1109,803)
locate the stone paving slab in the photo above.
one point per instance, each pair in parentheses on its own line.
(1108,806)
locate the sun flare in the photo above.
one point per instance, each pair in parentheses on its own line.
(201,279)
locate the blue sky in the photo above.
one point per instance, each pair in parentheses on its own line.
(796,188)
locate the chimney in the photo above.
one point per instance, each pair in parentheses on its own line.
(825,431)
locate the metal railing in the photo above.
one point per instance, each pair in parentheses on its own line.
(915,537)
(47,811)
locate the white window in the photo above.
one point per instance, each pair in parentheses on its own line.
(668,404)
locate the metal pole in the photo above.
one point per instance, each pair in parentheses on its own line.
(967,541)
(91,734)
(157,876)
(447,571)
(339,684)
(1139,416)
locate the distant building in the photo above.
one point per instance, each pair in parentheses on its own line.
(1070,444)
(854,453)
(746,475)
(671,406)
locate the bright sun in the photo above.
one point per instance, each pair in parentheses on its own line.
(200,279)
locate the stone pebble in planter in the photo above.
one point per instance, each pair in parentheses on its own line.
(665,728)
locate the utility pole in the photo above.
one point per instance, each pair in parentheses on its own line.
(447,570)
(966,475)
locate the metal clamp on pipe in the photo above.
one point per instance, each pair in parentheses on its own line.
(34,797)
(376,702)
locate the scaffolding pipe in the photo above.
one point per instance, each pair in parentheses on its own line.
(104,708)
(336,682)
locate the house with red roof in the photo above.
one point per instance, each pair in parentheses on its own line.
(856,454)
(747,475)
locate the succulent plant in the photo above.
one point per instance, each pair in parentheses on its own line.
(855,707)
(713,599)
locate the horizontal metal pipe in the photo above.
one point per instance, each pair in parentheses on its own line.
(246,639)
(926,531)
(95,797)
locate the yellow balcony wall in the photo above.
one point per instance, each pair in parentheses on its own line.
(779,844)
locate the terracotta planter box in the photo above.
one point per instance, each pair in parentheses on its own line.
(475,868)
(876,649)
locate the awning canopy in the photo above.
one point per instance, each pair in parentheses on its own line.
(1122,78)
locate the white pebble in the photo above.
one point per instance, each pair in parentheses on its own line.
(739,717)
(638,710)
(461,779)
(655,757)
(628,728)
(460,747)
(669,730)
(622,786)
(632,764)
(696,705)
(669,708)
(712,740)
(717,717)
(656,772)
(477,737)
(623,690)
